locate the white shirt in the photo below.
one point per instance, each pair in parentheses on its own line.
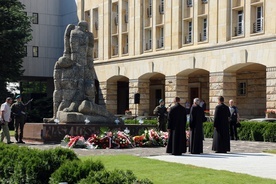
(6,111)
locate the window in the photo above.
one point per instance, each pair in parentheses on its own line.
(149,9)
(189,3)
(204,1)
(258,25)
(35,18)
(240,26)
(242,89)
(35,51)
(190,29)
(116,18)
(160,42)
(161,7)
(25,51)
(126,15)
(204,30)
(125,48)
(149,39)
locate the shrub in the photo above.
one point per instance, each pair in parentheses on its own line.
(33,166)
(73,171)
(113,177)
(250,131)
(146,121)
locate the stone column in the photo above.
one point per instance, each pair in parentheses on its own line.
(144,90)
(176,86)
(111,97)
(102,93)
(271,91)
(221,84)
(133,88)
(141,87)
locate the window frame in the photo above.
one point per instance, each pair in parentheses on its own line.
(35,18)
(35,51)
(240,22)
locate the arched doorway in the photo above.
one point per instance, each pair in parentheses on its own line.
(197,85)
(118,94)
(152,86)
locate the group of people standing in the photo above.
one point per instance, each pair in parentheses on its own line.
(225,119)
(17,110)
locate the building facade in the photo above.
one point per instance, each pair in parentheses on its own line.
(49,20)
(186,48)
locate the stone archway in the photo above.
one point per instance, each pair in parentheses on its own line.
(196,85)
(151,87)
(248,88)
(117,94)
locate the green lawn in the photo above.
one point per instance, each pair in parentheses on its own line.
(270,151)
(164,172)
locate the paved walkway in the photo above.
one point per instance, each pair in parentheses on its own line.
(245,156)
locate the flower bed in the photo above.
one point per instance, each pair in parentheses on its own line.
(119,140)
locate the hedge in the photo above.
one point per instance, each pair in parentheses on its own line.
(28,165)
(35,166)
(249,131)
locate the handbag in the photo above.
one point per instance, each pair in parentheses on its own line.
(238,124)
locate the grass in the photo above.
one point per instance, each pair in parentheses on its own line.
(11,132)
(270,151)
(164,172)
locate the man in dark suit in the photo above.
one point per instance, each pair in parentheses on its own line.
(197,117)
(221,138)
(177,129)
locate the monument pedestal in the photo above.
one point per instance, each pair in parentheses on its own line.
(54,133)
(76,117)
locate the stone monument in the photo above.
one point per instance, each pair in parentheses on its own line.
(74,78)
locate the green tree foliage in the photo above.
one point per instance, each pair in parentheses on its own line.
(15,33)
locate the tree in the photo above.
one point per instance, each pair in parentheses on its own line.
(15,33)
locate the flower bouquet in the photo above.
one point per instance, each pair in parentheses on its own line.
(74,141)
(187,138)
(96,142)
(154,138)
(122,140)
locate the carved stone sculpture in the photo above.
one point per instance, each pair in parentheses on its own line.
(74,78)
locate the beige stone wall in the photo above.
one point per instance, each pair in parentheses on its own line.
(254,103)
(271,88)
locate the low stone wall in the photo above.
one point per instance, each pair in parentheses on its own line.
(54,133)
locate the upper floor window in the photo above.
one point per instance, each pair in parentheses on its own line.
(149,9)
(240,24)
(203,35)
(160,39)
(258,25)
(25,51)
(189,3)
(161,7)
(35,51)
(35,18)
(190,32)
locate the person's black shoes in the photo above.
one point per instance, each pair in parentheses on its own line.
(20,142)
(9,142)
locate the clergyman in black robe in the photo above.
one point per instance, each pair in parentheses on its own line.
(221,138)
(177,129)
(197,117)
